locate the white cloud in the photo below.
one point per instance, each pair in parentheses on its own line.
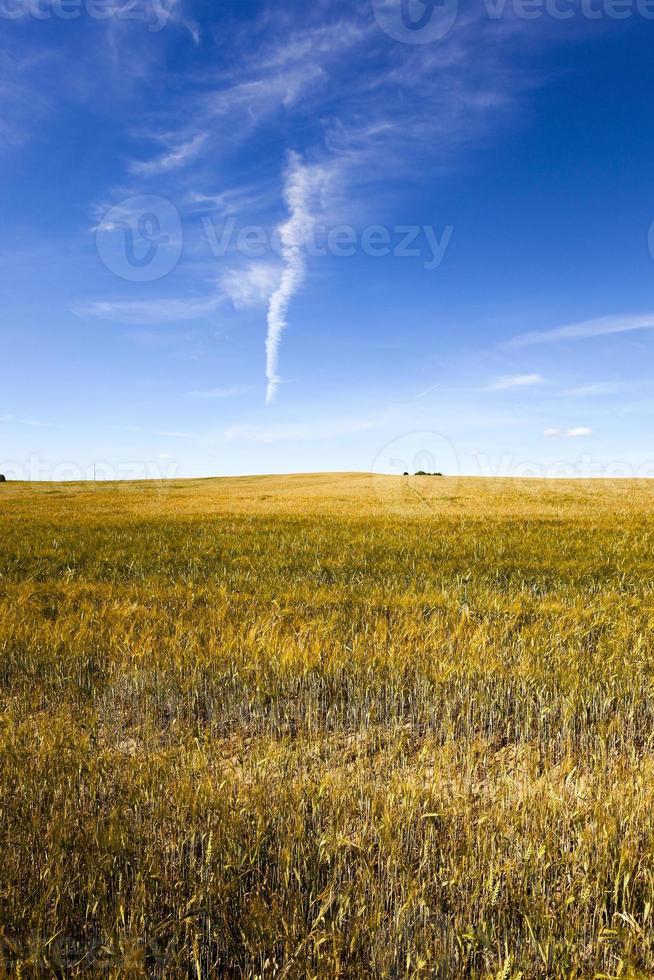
(157,14)
(32,423)
(579,432)
(151,311)
(237,200)
(115,216)
(165,11)
(23,98)
(173,158)
(323,42)
(588,329)
(214,394)
(302,183)
(427,391)
(600,388)
(249,102)
(252,285)
(360,124)
(516,381)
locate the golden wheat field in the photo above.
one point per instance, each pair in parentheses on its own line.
(327,726)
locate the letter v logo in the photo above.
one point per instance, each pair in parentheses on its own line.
(411,7)
(416,21)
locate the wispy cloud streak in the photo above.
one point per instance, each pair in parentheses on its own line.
(33,423)
(151,311)
(174,157)
(601,327)
(516,381)
(213,394)
(292,235)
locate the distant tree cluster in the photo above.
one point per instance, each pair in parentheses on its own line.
(422,473)
(3,478)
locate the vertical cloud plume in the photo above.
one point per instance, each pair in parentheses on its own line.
(297,193)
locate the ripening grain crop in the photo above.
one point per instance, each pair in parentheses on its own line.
(327,726)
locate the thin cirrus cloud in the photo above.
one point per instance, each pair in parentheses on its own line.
(578,432)
(151,311)
(350,97)
(23,101)
(33,423)
(216,394)
(371,120)
(586,330)
(252,285)
(173,158)
(349,148)
(598,388)
(516,381)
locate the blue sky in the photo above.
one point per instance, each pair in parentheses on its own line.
(252,238)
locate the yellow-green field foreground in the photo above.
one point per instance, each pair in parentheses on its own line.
(327,726)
